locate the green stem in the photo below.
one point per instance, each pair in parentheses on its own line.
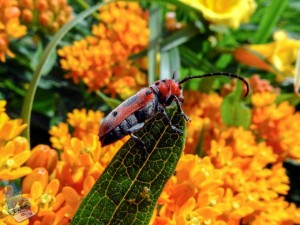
(28,101)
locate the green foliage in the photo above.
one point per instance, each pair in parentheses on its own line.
(234,112)
(128,189)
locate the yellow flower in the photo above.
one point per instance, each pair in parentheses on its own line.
(2,106)
(278,57)
(13,155)
(84,122)
(46,199)
(59,135)
(229,13)
(10,26)
(9,129)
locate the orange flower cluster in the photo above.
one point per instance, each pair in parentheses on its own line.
(10,26)
(101,60)
(48,15)
(241,180)
(242,191)
(54,180)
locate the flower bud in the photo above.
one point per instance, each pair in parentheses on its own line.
(27,16)
(42,5)
(45,18)
(11,12)
(43,156)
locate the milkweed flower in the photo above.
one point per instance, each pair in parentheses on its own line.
(10,27)
(13,148)
(277,124)
(101,59)
(228,13)
(43,156)
(205,115)
(242,172)
(81,153)
(278,57)
(45,200)
(48,15)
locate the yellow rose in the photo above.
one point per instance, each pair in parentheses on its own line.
(230,13)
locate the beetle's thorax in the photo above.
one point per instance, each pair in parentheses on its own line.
(166,89)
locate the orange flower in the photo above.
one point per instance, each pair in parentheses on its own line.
(204,111)
(277,124)
(102,59)
(46,200)
(9,26)
(38,174)
(59,135)
(43,156)
(48,15)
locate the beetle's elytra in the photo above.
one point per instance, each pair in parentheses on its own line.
(131,115)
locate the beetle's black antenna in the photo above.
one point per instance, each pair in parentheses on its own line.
(231,75)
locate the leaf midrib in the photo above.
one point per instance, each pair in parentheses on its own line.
(137,175)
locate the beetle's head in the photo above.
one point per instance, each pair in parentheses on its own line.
(167,89)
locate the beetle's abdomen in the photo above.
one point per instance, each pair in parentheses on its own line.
(123,129)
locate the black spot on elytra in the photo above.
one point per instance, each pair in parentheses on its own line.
(115,113)
(156,83)
(163,80)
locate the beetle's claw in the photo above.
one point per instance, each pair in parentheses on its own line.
(176,129)
(187,119)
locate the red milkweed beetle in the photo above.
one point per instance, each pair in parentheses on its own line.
(131,115)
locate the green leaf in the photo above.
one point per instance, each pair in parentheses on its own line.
(180,37)
(233,111)
(269,20)
(169,63)
(128,189)
(155,27)
(111,102)
(290,97)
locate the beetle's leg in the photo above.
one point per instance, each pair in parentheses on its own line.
(134,129)
(180,109)
(174,97)
(162,109)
